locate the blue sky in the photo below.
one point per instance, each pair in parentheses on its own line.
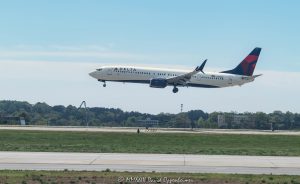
(54,44)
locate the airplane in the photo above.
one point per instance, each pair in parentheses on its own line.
(163,77)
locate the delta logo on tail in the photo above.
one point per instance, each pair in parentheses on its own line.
(247,66)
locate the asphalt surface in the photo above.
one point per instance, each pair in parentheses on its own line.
(151,130)
(150,162)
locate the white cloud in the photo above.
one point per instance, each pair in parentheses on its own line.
(95,54)
(89,53)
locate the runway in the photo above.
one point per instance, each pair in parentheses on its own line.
(150,162)
(151,130)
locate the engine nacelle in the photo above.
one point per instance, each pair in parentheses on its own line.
(158,83)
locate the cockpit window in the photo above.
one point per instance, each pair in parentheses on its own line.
(99,69)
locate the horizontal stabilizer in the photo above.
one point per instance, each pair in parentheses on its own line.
(254,76)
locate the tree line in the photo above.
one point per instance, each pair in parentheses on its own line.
(59,115)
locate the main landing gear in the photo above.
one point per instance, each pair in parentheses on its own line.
(175,89)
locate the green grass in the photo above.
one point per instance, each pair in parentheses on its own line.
(55,177)
(170,143)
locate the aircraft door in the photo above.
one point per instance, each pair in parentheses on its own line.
(198,77)
(109,71)
(230,81)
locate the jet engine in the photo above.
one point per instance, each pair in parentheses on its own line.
(158,83)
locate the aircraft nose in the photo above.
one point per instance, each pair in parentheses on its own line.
(93,74)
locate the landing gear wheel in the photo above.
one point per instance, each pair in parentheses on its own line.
(104,84)
(175,89)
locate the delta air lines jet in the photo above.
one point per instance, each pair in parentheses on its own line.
(163,77)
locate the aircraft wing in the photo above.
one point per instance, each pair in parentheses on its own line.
(184,78)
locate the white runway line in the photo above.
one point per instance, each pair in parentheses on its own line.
(150,162)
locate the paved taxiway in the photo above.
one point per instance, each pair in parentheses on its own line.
(160,130)
(150,162)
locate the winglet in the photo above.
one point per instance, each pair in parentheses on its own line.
(200,68)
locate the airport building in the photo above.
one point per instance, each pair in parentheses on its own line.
(12,120)
(235,121)
(148,123)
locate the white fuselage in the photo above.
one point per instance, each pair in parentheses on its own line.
(145,74)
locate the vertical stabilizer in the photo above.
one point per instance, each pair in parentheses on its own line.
(247,66)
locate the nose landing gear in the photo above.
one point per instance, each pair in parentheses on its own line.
(175,89)
(104,83)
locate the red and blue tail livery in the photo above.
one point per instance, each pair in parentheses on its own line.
(247,66)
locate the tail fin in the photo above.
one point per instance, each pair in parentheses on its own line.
(247,66)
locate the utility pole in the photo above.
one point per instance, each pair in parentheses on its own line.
(86,115)
(181,107)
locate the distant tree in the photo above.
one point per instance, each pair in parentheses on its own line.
(194,115)
(201,123)
(262,120)
(59,108)
(213,117)
(131,121)
(277,118)
(296,123)
(42,114)
(289,120)
(182,121)
(41,108)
